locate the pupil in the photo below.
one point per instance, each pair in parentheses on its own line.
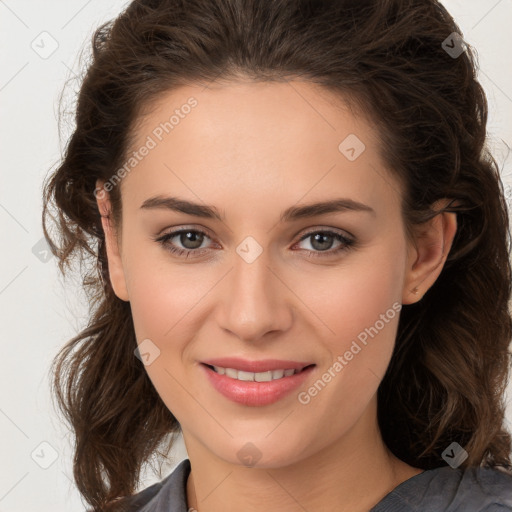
(324,245)
(191,237)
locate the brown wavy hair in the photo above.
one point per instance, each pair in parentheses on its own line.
(448,374)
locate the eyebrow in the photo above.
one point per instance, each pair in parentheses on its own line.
(290,214)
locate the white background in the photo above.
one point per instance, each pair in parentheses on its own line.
(38,313)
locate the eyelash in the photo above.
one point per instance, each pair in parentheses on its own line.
(347,243)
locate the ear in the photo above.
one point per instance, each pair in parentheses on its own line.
(428,253)
(115,264)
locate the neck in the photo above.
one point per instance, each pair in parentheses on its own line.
(353,474)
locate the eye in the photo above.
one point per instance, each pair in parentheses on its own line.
(192,239)
(322,241)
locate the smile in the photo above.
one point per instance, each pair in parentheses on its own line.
(254,376)
(256,388)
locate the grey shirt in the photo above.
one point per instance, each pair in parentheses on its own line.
(436,490)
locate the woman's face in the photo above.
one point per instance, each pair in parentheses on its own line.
(270,278)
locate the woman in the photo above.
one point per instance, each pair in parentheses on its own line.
(300,261)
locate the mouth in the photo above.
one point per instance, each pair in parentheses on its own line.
(265,376)
(269,382)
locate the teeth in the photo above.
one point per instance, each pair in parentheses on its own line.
(252,376)
(278,374)
(229,372)
(220,370)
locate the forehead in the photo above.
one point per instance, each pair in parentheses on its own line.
(279,139)
(228,111)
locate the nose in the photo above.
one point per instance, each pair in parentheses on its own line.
(255,301)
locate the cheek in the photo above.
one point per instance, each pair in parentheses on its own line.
(352,296)
(163,306)
(160,291)
(164,301)
(358,307)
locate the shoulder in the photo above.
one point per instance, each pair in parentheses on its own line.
(491,488)
(169,494)
(475,489)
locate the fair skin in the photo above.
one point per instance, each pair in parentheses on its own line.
(253,150)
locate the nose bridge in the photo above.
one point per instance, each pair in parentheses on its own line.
(254,301)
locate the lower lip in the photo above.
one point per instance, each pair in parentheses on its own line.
(253,393)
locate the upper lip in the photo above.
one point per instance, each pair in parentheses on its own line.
(256,366)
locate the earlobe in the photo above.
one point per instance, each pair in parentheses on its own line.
(426,259)
(115,264)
